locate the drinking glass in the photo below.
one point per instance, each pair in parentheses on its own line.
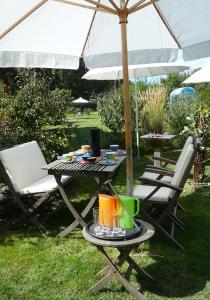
(97,226)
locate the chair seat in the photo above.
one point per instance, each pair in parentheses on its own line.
(162,195)
(46,184)
(155,176)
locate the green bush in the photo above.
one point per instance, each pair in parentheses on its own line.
(111,109)
(35,110)
(177,113)
(6,109)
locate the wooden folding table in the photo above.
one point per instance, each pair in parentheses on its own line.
(99,172)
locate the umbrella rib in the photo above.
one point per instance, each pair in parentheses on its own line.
(136,5)
(126,3)
(25,16)
(84,6)
(164,20)
(114,4)
(89,30)
(97,4)
(140,6)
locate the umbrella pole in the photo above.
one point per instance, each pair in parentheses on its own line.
(127,110)
(137,115)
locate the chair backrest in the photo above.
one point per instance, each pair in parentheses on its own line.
(189,141)
(185,166)
(23,164)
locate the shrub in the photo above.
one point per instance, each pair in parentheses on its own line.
(177,112)
(173,81)
(6,108)
(197,123)
(152,102)
(35,110)
(111,109)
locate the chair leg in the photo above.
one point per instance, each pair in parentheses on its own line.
(176,220)
(161,230)
(181,207)
(28,214)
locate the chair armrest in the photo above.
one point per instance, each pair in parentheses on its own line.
(159,168)
(166,160)
(160,172)
(161,184)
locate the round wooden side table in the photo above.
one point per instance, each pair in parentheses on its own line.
(113,266)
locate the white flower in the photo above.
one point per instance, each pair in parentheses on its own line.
(188,118)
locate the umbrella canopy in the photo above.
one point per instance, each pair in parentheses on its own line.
(135,71)
(80,100)
(202,75)
(56,33)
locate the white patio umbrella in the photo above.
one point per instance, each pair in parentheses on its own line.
(56,33)
(80,100)
(134,72)
(202,75)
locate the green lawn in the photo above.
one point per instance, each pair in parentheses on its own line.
(84,122)
(87,120)
(36,266)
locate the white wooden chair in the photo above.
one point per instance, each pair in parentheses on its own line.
(21,169)
(159,198)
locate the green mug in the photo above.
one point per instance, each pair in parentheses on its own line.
(133,206)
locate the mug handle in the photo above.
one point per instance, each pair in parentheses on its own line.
(137,206)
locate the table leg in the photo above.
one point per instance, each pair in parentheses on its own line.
(138,269)
(119,261)
(157,153)
(79,219)
(115,272)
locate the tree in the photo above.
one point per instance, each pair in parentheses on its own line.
(37,113)
(173,81)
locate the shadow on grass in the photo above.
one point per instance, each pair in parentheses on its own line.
(80,190)
(183,273)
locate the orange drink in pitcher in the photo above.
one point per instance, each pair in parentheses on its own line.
(108,210)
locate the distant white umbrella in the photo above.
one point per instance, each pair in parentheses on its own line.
(202,75)
(134,72)
(80,100)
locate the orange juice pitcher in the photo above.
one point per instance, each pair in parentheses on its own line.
(107,210)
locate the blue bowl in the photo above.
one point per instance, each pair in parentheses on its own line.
(114,147)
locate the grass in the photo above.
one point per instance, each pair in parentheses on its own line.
(87,120)
(84,123)
(35,266)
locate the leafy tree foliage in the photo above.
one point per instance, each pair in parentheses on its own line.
(173,81)
(111,109)
(34,110)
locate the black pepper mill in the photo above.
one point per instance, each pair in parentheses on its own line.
(95,141)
